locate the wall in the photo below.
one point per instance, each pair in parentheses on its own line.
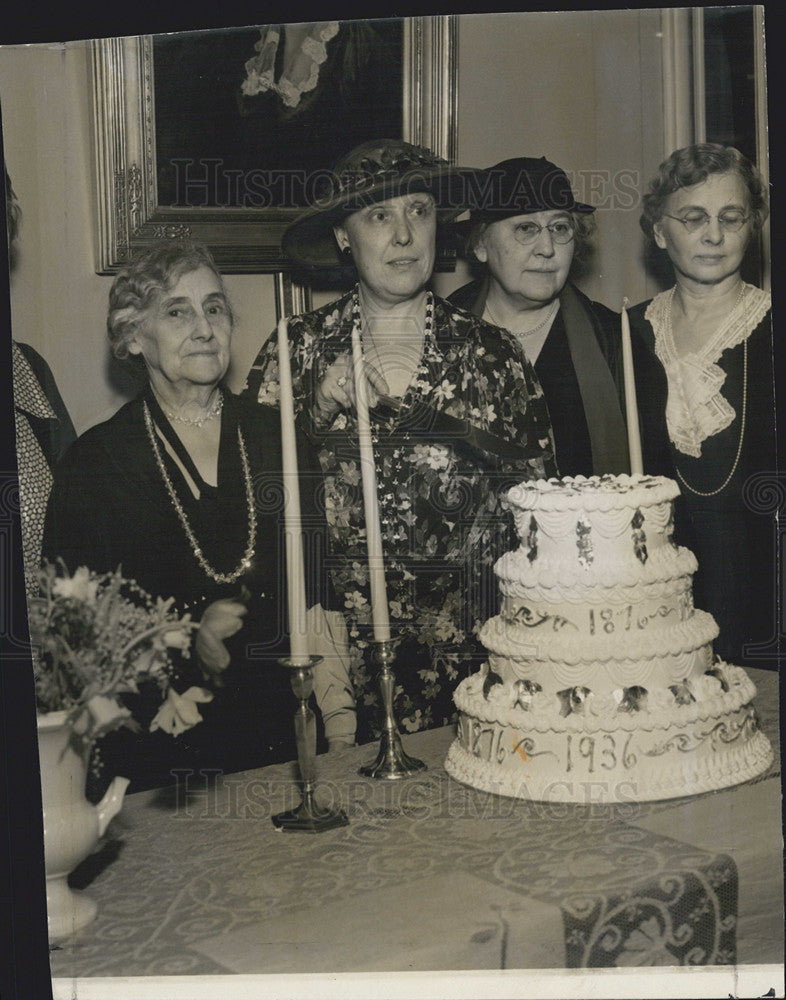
(58,302)
(583,88)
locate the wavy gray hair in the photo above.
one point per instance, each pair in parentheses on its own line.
(139,286)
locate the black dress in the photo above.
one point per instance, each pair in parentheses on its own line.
(109,507)
(559,379)
(732,533)
(557,376)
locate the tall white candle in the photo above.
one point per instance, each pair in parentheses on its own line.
(376,565)
(631,409)
(296,583)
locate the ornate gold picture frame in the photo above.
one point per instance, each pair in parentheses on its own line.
(130,214)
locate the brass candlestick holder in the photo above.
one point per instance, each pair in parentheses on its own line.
(391,763)
(308,817)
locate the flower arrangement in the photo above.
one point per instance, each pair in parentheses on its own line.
(95,637)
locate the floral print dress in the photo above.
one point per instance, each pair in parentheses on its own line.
(472,423)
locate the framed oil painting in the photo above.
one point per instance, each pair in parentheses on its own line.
(223,136)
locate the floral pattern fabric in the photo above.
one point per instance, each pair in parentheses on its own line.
(473,422)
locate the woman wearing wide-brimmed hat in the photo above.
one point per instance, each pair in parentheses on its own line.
(527,231)
(457,413)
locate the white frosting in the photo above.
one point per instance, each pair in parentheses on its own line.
(601,671)
(690,774)
(593,493)
(669,590)
(605,676)
(503,706)
(566,646)
(563,571)
(645,606)
(610,754)
(607,532)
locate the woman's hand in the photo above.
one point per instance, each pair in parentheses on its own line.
(336,391)
(220,620)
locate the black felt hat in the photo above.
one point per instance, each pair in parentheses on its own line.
(520,186)
(373,172)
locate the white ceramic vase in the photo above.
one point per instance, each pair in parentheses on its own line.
(72,825)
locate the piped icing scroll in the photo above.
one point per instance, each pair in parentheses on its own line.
(601,671)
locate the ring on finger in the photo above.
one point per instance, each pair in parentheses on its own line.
(342,381)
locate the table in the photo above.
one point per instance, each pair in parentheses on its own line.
(431,874)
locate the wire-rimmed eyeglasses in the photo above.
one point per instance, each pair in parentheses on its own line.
(562,231)
(730,221)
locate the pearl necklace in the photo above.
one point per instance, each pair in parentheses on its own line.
(211,414)
(248,555)
(670,335)
(535,329)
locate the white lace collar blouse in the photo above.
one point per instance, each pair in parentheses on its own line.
(696,408)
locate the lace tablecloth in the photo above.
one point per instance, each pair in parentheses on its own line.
(431,874)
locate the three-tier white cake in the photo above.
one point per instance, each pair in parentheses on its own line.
(601,684)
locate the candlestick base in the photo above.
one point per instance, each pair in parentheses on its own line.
(308,817)
(392,763)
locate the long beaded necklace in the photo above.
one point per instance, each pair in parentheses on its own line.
(358,320)
(248,555)
(727,480)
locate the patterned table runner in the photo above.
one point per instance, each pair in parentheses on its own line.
(202,883)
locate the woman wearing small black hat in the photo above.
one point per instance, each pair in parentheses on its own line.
(458,414)
(528,230)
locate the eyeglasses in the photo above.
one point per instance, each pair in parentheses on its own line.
(562,231)
(730,222)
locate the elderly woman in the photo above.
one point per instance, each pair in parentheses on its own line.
(527,232)
(182,489)
(456,414)
(711,334)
